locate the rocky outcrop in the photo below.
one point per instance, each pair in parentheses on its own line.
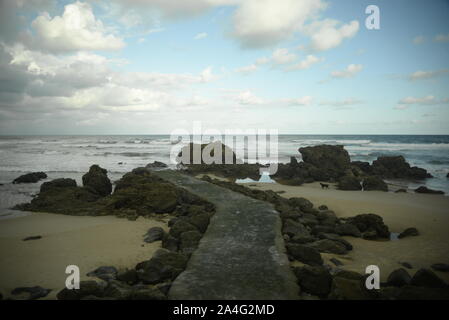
(193,154)
(304,254)
(423,189)
(372,223)
(397,167)
(97,180)
(349,183)
(156,164)
(372,183)
(32,177)
(314,280)
(399,278)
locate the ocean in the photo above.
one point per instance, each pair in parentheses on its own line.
(71,157)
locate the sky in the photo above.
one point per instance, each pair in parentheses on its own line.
(155,66)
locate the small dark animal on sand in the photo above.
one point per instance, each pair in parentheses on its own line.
(324,185)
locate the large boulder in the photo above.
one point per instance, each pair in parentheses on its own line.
(293,228)
(63,196)
(369,222)
(194,154)
(87,288)
(349,183)
(333,159)
(305,254)
(374,183)
(32,177)
(397,167)
(97,180)
(348,229)
(409,232)
(57,183)
(399,278)
(427,278)
(314,280)
(164,265)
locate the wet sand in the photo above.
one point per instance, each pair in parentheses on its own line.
(88,242)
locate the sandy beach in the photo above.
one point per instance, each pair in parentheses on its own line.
(428,213)
(88,242)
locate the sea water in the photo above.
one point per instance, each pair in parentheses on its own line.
(71,156)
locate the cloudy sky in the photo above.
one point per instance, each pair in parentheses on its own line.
(152,66)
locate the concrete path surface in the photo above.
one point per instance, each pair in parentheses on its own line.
(241,255)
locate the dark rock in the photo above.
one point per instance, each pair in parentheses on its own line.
(370,235)
(305,254)
(34,292)
(170,243)
(154,234)
(57,183)
(188,241)
(374,183)
(104,273)
(409,232)
(63,196)
(314,280)
(201,221)
(397,167)
(349,183)
(329,246)
(335,237)
(32,238)
(293,228)
(427,278)
(87,288)
(323,229)
(399,278)
(333,160)
(348,229)
(128,276)
(117,290)
(30,177)
(164,265)
(337,262)
(343,288)
(423,189)
(97,180)
(368,222)
(301,203)
(188,154)
(401,191)
(363,166)
(156,164)
(323,207)
(301,239)
(443,267)
(181,226)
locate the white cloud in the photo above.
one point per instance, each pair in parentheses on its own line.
(201,35)
(329,33)
(262,60)
(341,103)
(442,38)
(247,69)
(418,40)
(427,100)
(302,101)
(305,63)
(419,75)
(76,29)
(282,56)
(261,23)
(350,71)
(248,98)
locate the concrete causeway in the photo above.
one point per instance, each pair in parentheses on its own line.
(241,255)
